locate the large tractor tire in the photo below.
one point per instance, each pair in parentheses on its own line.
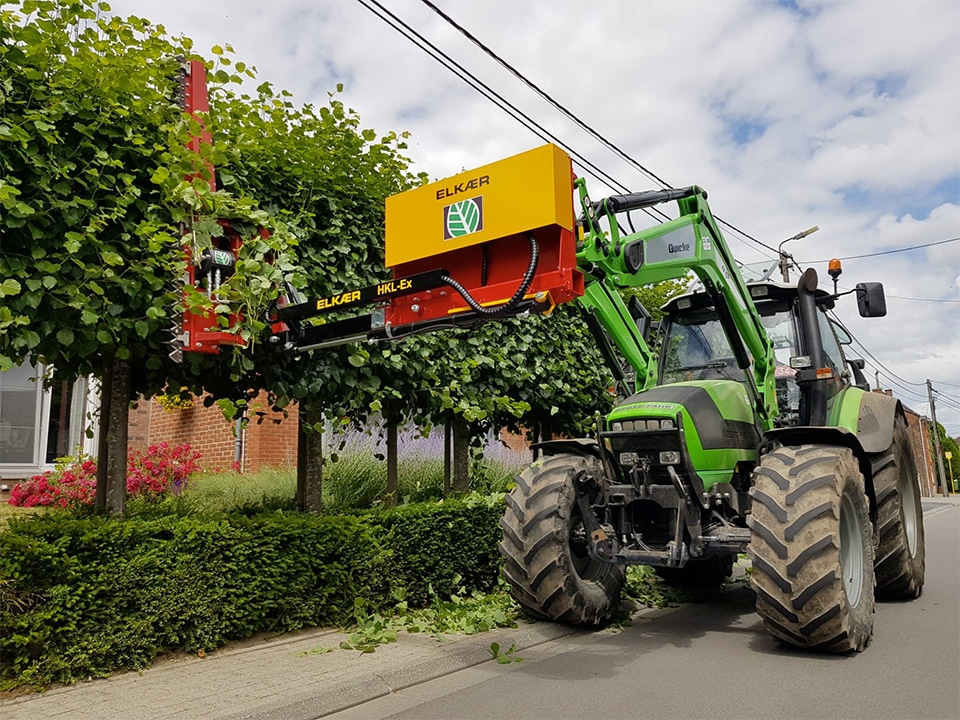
(700,573)
(812,548)
(900,562)
(544,545)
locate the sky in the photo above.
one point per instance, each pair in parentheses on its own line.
(791,114)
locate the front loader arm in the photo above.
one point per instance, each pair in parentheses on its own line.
(690,243)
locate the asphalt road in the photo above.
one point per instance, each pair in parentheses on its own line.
(715,660)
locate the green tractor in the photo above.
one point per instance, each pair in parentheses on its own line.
(749,431)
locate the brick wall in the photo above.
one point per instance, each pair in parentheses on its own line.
(919,429)
(920,439)
(272,442)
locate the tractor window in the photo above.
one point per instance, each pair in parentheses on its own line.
(781,331)
(831,348)
(696,348)
(779,322)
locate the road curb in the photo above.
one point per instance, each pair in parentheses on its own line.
(455,654)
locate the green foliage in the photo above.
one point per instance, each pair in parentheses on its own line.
(93,193)
(951,466)
(432,544)
(85,596)
(210,493)
(507,656)
(645,586)
(87,118)
(327,178)
(653,297)
(466,613)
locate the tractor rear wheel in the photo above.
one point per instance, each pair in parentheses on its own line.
(544,544)
(900,563)
(812,548)
(700,573)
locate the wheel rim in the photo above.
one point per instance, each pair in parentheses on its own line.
(908,503)
(583,564)
(851,550)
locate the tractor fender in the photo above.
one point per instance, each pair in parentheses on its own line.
(825,435)
(578,446)
(875,421)
(569,446)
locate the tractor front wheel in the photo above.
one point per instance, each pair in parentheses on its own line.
(812,548)
(544,544)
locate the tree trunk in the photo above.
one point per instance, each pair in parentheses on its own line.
(546,430)
(106,381)
(392,448)
(447,459)
(112,449)
(461,455)
(309,461)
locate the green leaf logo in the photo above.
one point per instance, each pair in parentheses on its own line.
(463,218)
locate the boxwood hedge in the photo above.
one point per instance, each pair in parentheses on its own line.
(84,597)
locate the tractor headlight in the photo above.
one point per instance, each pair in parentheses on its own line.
(669,457)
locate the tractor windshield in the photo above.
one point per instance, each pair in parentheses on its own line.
(696,348)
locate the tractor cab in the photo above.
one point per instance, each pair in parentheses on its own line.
(694,345)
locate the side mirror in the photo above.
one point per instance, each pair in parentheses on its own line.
(857,365)
(870,300)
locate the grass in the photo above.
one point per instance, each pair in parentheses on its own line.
(354,476)
(210,492)
(8,511)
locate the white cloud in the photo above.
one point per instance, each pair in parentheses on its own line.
(852,110)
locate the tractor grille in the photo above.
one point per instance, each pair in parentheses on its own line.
(654,442)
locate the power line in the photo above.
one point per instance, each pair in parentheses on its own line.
(876,362)
(418,39)
(902,384)
(543,94)
(900,297)
(947,400)
(569,114)
(953,397)
(895,297)
(444,59)
(888,252)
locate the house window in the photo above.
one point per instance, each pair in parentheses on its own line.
(68,419)
(21,399)
(39,424)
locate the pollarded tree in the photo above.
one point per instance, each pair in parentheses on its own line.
(93,160)
(328,178)
(86,119)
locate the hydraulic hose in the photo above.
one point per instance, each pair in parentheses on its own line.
(514,301)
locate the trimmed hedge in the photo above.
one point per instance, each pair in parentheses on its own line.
(85,597)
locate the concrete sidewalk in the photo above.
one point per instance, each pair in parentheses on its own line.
(289,677)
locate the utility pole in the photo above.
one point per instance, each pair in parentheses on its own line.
(949,456)
(877,375)
(936,440)
(929,485)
